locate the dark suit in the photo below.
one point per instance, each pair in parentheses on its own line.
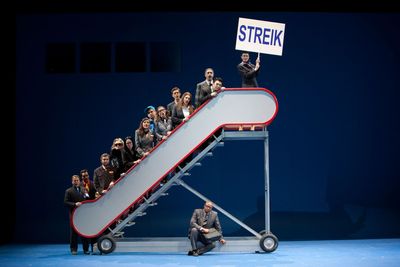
(170,107)
(102,179)
(248,73)
(201,220)
(72,195)
(203,93)
(178,116)
(129,156)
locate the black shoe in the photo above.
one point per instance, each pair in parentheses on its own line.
(86,252)
(193,253)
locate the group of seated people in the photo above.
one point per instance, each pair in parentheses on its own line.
(154,128)
(126,152)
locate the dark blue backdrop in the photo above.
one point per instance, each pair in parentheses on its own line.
(333,145)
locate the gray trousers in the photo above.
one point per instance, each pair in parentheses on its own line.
(196,236)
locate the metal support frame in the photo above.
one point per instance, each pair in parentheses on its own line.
(257,135)
(176,180)
(266,181)
(227,214)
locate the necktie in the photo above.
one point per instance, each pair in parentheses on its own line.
(205,219)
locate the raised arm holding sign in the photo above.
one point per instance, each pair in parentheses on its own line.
(261,37)
(248,71)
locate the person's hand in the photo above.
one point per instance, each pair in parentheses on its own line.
(104,191)
(146,153)
(111,185)
(257,63)
(213,94)
(78,204)
(222,241)
(164,137)
(205,230)
(169,133)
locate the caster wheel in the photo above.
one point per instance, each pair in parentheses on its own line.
(106,244)
(269,242)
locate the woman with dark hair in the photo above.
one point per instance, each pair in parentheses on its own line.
(130,155)
(144,138)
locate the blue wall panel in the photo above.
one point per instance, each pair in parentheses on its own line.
(333,146)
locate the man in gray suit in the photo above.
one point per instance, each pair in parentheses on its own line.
(203,89)
(200,223)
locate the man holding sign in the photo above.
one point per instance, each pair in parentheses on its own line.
(248,71)
(261,37)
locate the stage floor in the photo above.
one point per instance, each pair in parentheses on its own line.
(365,253)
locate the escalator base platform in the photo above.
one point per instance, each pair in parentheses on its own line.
(182,244)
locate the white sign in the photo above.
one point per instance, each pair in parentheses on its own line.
(260,36)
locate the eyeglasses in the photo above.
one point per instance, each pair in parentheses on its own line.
(119,144)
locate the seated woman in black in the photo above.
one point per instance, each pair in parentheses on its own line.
(130,155)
